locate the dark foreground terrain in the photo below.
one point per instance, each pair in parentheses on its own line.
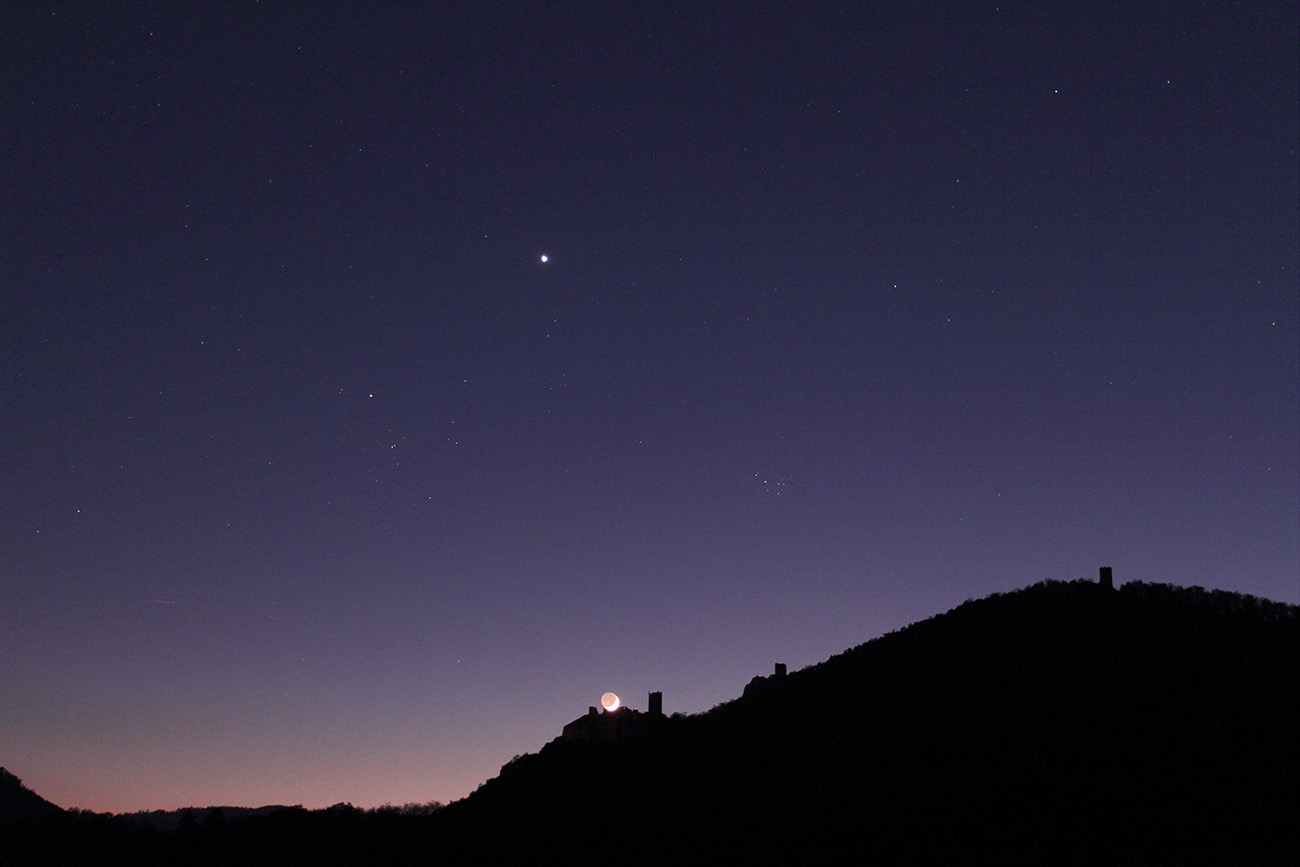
(1059,724)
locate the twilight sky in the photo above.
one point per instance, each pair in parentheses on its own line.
(318,485)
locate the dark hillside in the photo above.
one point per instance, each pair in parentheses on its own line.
(28,822)
(19,805)
(1064,722)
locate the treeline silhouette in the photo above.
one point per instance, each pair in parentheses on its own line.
(1065,723)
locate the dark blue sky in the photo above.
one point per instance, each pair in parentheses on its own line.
(319,485)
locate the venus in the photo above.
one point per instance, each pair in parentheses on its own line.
(545,258)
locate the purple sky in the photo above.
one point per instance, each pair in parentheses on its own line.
(318,485)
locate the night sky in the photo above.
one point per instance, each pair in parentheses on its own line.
(318,484)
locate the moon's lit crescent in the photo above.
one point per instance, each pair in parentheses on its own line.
(609,701)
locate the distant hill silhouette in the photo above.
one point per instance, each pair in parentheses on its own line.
(1066,723)
(172,820)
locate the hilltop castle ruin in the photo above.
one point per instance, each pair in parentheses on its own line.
(613,726)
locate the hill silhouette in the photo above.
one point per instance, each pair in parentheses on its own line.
(1063,723)
(21,810)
